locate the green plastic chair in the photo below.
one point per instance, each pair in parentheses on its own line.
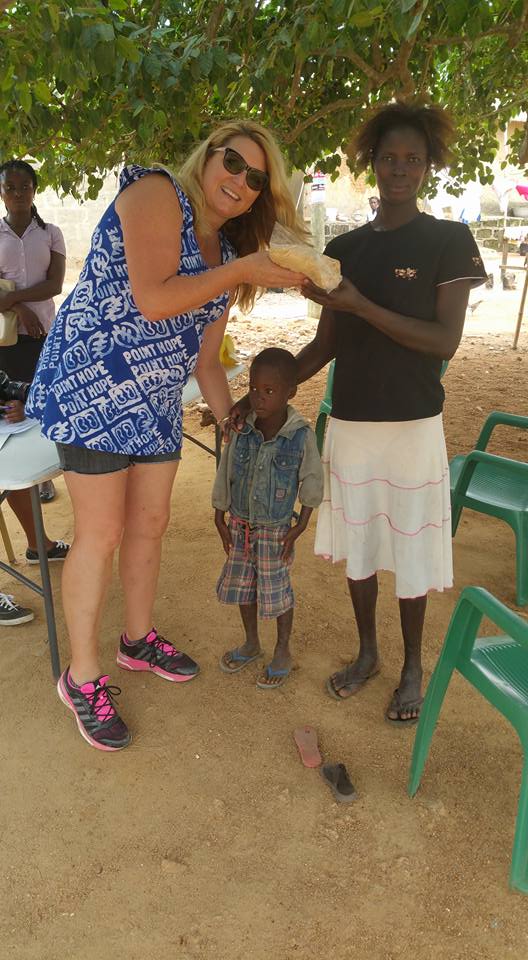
(498,668)
(497,487)
(326,404)
(325,409)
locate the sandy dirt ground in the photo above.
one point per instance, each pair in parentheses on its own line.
(207,838)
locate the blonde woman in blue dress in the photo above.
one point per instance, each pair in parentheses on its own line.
(167,259)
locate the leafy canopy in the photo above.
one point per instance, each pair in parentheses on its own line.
(84,85)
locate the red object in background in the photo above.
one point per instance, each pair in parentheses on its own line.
(522,188)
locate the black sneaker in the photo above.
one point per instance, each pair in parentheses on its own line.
(59,551)
(47,491)
(11,614)
(93,706)
(157,655)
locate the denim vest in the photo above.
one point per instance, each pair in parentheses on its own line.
(265,476)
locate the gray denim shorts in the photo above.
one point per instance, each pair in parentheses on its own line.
(82,460)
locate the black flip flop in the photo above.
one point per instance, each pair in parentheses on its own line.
(399,706)
(336,776)
(354,686)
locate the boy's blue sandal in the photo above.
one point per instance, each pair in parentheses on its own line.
(270,672)
(238,659)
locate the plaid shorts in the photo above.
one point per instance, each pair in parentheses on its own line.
(254,570)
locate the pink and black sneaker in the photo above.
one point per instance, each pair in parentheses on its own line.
(93,706)
(157,655)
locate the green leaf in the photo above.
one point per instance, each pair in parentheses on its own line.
(104,31)
(206,62)
(53,13)
(42,92)
(366,18)
(128,49)
(406,5)
(104,58)
(24,97)
(7,80)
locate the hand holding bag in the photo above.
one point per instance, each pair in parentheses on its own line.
(8,319)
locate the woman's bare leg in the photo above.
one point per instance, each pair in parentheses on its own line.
(147,513)
(406,703)
(364,595)
(99,511)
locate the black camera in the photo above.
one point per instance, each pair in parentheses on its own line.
(11,390)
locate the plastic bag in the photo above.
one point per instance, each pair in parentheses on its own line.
(228,356)
(286,251)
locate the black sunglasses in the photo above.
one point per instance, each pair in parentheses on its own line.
(234,163)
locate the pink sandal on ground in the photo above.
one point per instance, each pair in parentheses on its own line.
(306,740)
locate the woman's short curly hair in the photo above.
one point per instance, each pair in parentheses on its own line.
(430,120)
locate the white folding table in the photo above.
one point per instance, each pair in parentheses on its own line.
(27,459)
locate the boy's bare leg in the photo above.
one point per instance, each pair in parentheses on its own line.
(275,672)
(251,647)
(248,612)
(364,595)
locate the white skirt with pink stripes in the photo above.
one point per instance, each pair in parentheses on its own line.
(386,503)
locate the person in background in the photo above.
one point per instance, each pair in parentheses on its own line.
(374,207)
(33,255)
(12,398)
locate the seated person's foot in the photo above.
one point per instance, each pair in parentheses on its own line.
(157,655)
(11,614)
(57,551)
(47,491)
(345,683)
(233,661)
(277,672)
(406,701)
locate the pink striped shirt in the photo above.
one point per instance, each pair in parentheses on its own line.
(26,260)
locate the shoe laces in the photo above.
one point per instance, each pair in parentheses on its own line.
(159,644)
(7,601)
(61,545)
(100,696)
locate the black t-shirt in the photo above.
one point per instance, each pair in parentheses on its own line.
(375,377)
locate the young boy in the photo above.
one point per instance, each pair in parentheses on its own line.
(262,470)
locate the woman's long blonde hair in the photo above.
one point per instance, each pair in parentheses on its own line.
(252,230)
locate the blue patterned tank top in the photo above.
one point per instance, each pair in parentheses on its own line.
(109,379)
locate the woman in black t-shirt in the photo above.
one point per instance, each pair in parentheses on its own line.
(398,313)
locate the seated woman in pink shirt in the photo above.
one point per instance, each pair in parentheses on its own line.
(33,255)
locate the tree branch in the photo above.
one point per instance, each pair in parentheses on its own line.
(344,104)
(214,22)
(523,19)
(361,64)
(523,149)
(425,79)
(294,87)
(154,16)
(505,31)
